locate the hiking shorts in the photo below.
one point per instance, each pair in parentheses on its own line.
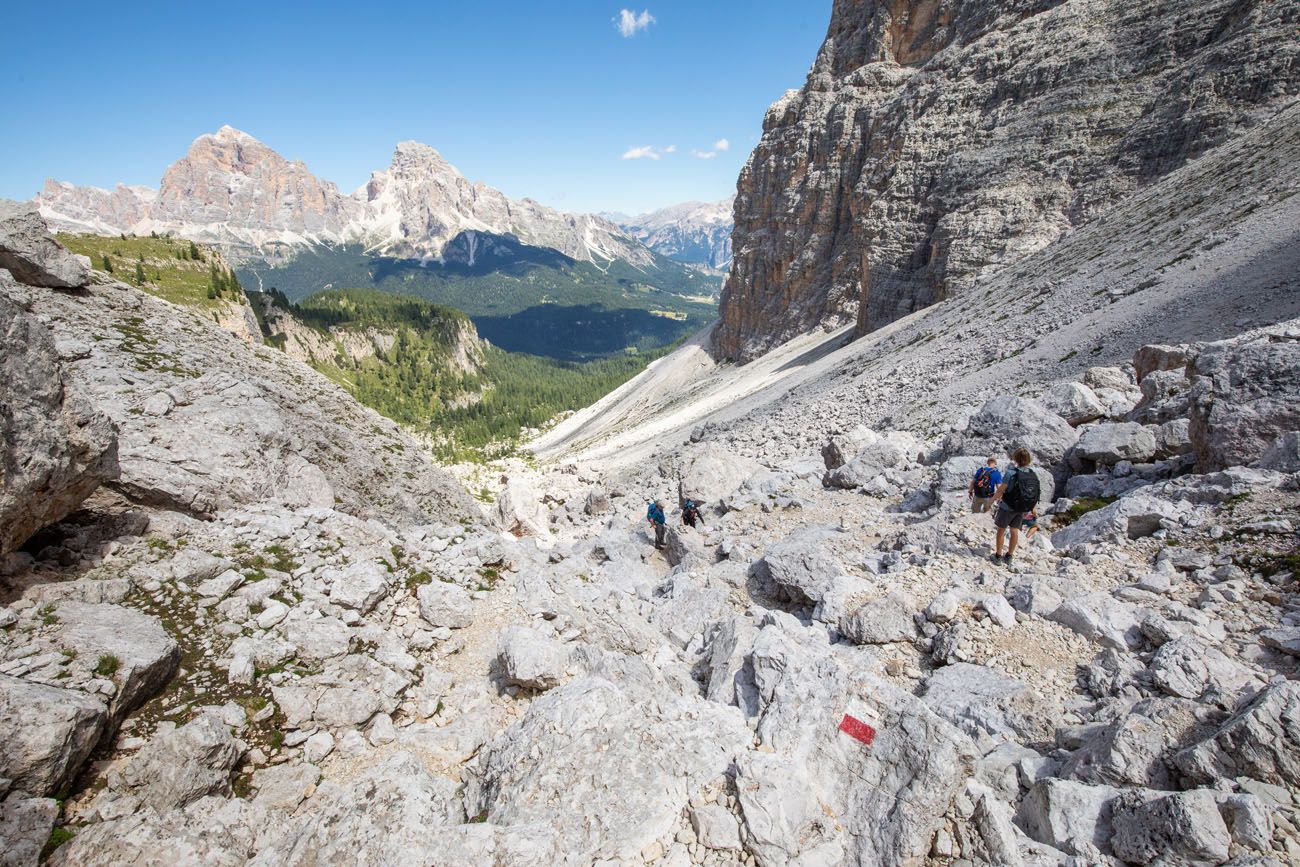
(981,504)
(1006,518)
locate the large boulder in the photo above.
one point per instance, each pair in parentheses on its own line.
(25,826)
(1126,752)
(1183,828)
(1159,356)
(880,452)
(30,253)
(180,766)
(1164,397)
(520,510)
(979,700)
(445,605)
(47,734)
(1102,618)
(1243,397)
(530,659)
(1188,667)
(55,448)
(134,644)
(632,760)
(1070,816)
(1073,401)
(802,566)
(1261,742)
(1132,517)
(710,473)
(1284,455)
(882,620)
(359,586)
(393,812)
(840,448)
(840,751)
(1114,442)
(1006,423)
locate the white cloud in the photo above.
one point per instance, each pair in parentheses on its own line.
(704,155)
(629,22)
(671,149)
(645,152)
(722,145)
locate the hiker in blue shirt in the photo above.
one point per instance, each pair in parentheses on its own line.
(984,485)
(654,513)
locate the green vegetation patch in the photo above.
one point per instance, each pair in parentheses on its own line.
(173,269)
(473,403)
(1081,507)
(533,300)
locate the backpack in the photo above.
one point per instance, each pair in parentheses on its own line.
(1022,491)
(984,482)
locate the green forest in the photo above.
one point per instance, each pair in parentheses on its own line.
(532,300)
(578,351)
(470,414)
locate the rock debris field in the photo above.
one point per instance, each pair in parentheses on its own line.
(277,635)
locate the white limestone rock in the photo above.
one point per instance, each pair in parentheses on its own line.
(445,605)
(56,447)
(178,767)
(48,733)
(632,759)
(359,586)
(530,659)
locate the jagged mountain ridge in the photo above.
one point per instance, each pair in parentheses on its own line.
(697,232)
(232,190)
(936,143)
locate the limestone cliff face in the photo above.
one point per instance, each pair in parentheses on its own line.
(349,346)
(936,141)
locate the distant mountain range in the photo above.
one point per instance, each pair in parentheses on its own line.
(697,232)
(232,190)
(534,279)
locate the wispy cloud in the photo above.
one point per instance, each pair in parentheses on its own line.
(718,147)
(671,149)
(644,152)
(630,23)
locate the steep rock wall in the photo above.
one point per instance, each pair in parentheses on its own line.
(936,141)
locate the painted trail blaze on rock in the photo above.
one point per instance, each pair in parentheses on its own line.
(857,729)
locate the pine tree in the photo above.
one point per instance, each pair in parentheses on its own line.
(108,264)
(194,252)
(139,273)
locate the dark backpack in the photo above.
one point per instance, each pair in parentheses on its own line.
(1022,491)
(984,482)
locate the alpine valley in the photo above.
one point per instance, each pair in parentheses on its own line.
(573,286)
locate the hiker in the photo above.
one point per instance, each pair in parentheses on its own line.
(691,513)
(655,515)
(1016,496)
(984,485)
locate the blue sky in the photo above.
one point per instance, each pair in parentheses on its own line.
(540,99)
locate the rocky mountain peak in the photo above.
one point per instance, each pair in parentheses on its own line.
(690,231)
(234,191)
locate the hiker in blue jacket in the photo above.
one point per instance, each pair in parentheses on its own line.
(984,486)
(654,513)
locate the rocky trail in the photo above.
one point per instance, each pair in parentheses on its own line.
(245,620)
(830,670)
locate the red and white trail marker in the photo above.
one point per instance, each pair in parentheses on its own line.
(857,729)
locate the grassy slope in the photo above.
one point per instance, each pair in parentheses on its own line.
(187,281)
